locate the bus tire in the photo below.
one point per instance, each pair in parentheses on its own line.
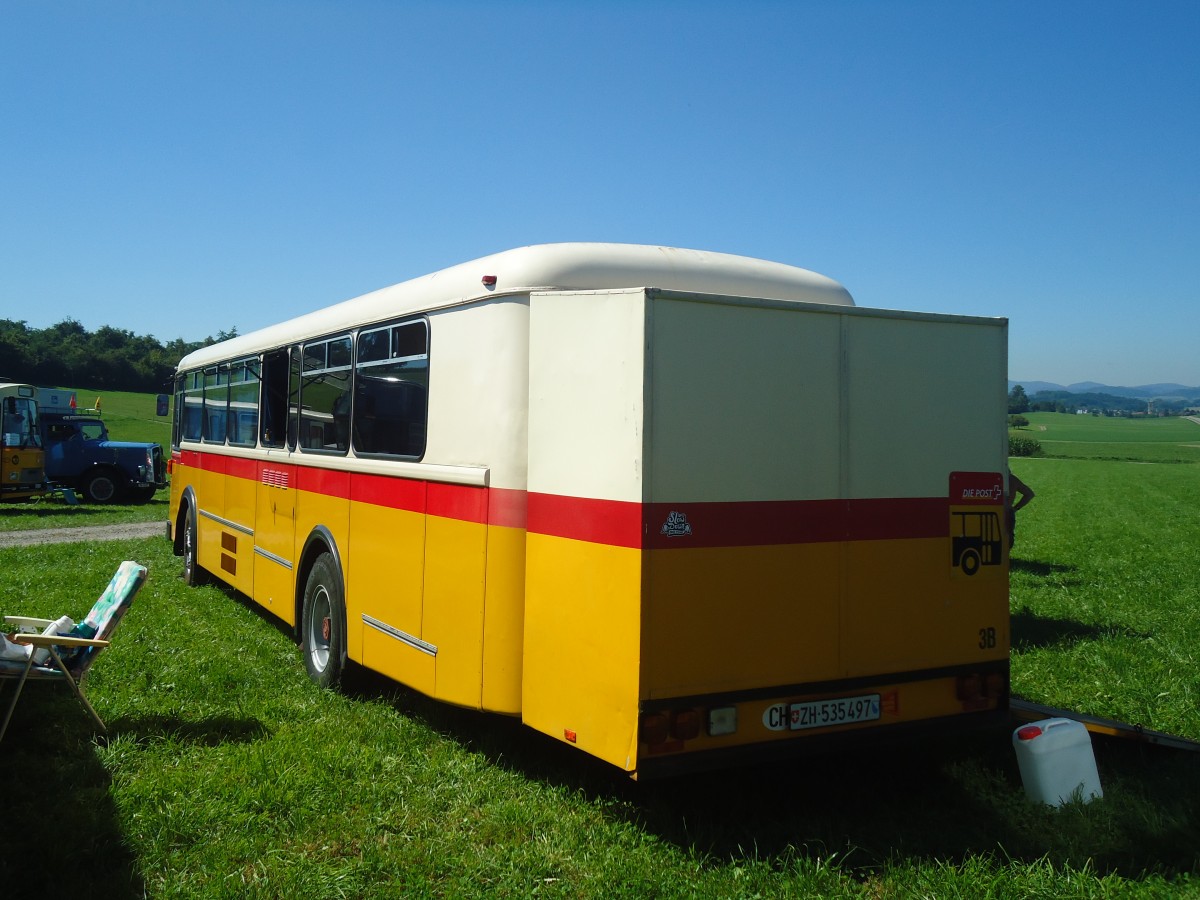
(193,574)
(101,486)
(322,624)
(970,562)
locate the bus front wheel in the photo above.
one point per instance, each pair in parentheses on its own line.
(322,628)
(193,575)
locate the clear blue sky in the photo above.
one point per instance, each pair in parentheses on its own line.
(181,168)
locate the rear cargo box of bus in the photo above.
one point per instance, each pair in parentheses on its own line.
(754,525)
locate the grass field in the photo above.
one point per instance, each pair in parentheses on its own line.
(129,417)
(229,775)
(1064,435)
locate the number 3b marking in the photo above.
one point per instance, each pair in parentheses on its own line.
(987,638)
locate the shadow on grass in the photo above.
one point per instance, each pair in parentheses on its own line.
(1038,568)
(935,801)
(1030,631)
(259,611)
(23,515)
(60,810)
(210,732)
(60,820)
(932,801)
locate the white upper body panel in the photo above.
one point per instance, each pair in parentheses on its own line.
(559,267)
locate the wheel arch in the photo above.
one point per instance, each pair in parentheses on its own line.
(320,540)
(187,507)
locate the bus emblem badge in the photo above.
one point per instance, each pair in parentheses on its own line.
(676,525)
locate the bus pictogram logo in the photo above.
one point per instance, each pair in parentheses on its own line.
(975,540)
(976,524)
(676,525)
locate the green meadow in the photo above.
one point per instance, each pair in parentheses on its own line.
(128,417)
(1064,435)
(228,774)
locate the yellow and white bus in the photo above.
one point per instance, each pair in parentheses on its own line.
(679,509)
(22,457)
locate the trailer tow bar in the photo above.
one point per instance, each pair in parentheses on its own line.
(1024,711)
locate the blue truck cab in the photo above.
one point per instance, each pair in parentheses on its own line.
(79,455)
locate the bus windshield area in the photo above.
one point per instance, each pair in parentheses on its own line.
(20,423)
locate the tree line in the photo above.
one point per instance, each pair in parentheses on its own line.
(1096,403)
(114,359)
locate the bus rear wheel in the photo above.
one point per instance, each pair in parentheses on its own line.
(323,624)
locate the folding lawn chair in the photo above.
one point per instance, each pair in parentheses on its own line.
(70,655)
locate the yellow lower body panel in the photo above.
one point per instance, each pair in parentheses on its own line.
(733,618)
(581,655)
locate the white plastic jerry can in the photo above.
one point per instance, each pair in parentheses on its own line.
(1056,761)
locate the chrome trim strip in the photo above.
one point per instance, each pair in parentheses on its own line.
(234,525)
(415,642)
(259,551)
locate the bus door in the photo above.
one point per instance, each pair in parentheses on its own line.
(389,515)
(275,497)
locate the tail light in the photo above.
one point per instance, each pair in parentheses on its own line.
(976,691)
(655,728)
(685,724)
(673,727)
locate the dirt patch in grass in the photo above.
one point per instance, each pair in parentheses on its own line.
(127,530)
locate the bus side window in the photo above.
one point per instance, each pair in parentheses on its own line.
(391,387)
(325,396)
(243,402)
(192,414)
(274,399)
(216,404)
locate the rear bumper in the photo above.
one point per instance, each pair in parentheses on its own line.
(651,767)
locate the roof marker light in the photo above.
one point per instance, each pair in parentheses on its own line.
(489,280)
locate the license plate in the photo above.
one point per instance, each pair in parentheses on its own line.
(826,713)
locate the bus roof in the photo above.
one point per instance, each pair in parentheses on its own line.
(539,267)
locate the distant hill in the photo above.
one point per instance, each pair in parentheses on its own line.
(1140,392)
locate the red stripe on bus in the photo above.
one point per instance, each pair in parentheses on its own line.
(653,526)
(329,482)
(456,501)
(893,519)
(508,508)
(238,467)
(736,524)
(760,523)
(396,493)
(614,522)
